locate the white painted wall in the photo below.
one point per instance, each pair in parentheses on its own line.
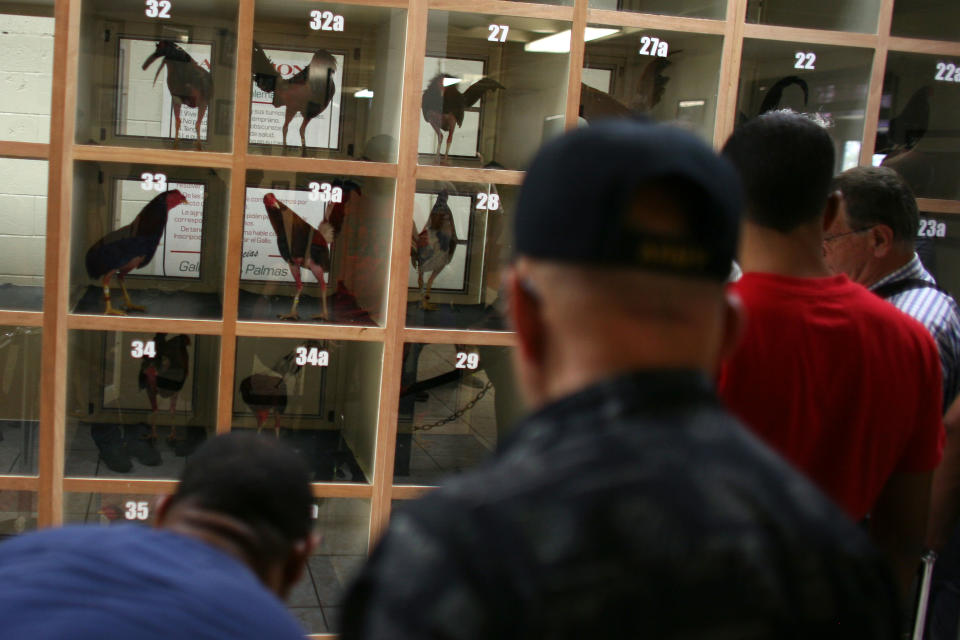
(23,220)
(26,71)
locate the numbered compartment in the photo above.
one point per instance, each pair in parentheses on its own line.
(26,70)
(494,88)
(319,396)
(667,75)
(918,127)
(138,404)
(456,403)
(20,351)
(938,245)
(316,248)
(841,15)
(327,80)
(157,73)
(715,9)
(18,512)
(23,231)
(462,238)
(110,508)
(827,82)
(343,527)
(926,19)
(148,240)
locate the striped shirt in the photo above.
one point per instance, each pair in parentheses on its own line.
(938,312)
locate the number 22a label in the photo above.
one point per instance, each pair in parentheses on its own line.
(947,72)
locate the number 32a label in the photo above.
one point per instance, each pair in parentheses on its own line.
(325,21)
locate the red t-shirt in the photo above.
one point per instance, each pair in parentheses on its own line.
(840,382)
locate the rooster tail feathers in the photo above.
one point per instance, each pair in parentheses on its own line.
(159,69)
(323,67)
(775,94)
(264,73)
(478,88)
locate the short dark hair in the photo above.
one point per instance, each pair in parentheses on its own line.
(257,480)
(785,161)
(878,195)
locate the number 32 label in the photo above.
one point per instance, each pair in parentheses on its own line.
(158,8)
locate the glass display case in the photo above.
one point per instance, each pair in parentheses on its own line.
(23,230)
(108,509)
(138,403)
(494,88)
(20,352)
(157,74)
(456,402)
(716,9)
(326,80)
(18,513)
(148,240)
(669,76)
(827,81)
(841,15)
(318,396)
(933,19)
(918,128)
(26,70)
(938,245)
(316,248)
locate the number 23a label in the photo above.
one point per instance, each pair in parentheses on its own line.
(932,229)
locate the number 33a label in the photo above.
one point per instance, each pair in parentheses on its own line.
(158,8)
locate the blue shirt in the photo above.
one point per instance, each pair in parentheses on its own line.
(127,582)
(936,311)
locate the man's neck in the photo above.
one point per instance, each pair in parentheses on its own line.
(880,268)
(798,253)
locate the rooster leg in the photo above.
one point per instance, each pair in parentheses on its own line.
(317,272)
(446,154)
(176,116)
(173,427)
(110,311)
(127,302)
(303,138)
(295,270)
(261,418)
(201,112)
(276,423)
(287,117)
(425,303)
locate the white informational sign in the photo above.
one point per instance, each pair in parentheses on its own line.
(453,276)
(178,253)
(599,79)
(145,107)
(465,137)
(266,121)
(261,259)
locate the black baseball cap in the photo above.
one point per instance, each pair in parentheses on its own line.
(578,202)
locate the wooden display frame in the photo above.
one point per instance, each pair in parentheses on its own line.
(62,151)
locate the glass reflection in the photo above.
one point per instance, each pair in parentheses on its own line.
(108,509)
(716,9)
(20,351)
(319,396)
(456,402)
(918,129)
(23,233)
(842,15)
(26,70)
(138,404)
(148,239)
(828,81)
(18,513)
(926,19)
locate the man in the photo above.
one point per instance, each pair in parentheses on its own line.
(842,384)
(629,504)
(872,240)
(230,543)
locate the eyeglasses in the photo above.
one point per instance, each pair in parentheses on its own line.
(827,239)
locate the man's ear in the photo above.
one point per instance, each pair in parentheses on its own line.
(831,210)
(734,324)
(297,562)
(881,240)
(525,315)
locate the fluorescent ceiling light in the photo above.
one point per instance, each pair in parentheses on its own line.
(450,81)
(684,104)
(363,93)
(560,42)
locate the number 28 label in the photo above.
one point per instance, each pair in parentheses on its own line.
(488,202)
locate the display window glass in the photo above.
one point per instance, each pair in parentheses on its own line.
(462,239)
(20,351)
(18,513)
(828,82)
(840,15)
(715,9)
(938,245)
(138,403)
(157,74)
(932,19)
(918,128)
(26,70)
(456,403)
(494,88)
(319,396)
(155,232)
(23,232)
(342,525)
(110,508)
(667,75)
(316,248)
(327,80)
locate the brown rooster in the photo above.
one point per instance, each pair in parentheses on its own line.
(309,92)
(266,393)
(443,107)
(302,245)
(189,83)
(432,249)
(130,247)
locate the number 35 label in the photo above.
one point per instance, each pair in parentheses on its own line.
(136,510)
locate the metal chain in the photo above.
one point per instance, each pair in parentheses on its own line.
(456,415)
